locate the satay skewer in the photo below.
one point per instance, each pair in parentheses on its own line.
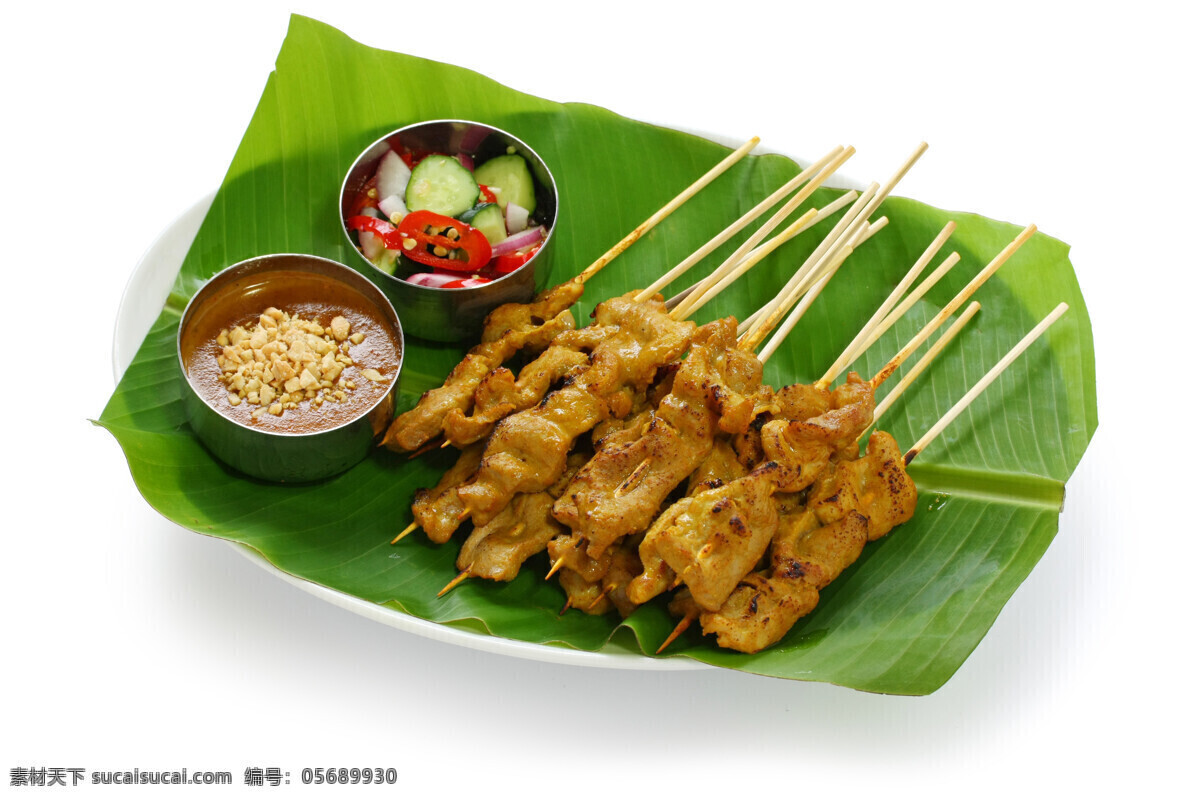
(856,344)
(718,279)
(665,211)
(707,249)
(924,362)
(985,382)
(863,232)
(948,310)
(938,427)
(842,234)
(860,234)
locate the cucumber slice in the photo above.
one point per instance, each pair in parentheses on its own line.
(509,178)
(488,218)
(386,261)
(442,185)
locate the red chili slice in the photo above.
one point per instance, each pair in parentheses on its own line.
(436,240)
(511,262)
(466,283)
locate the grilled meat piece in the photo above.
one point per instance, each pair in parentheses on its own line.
(620,490)
(805,445)
(501,393)
(855,501)
(527,451)
(508,329)
(596,592)
(711,553)
(522,529)
(711,540)
(877,485)
(796,402)
(439,510)
(719,467)
(497,550)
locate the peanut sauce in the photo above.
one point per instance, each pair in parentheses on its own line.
(301,294)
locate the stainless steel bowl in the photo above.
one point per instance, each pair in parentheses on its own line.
(283,456)
(451,315)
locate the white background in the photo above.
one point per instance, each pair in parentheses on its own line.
(130,642)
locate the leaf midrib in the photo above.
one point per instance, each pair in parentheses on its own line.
(1025,489)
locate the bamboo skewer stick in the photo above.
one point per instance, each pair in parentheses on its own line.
(700,296)
(832,243)
(556,566)
(737,226)
(757,254)
(907,350)
(905,304)
(858,235)
(960,298)
(984,382)
(872,205)
(924,362)
(599,597)
(683,625)
(857,344)
(412,527)
(868,208)
(459,578)
(802,276)
(690,306)
(665,211)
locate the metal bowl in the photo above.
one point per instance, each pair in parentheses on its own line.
(291,457)
(451,315)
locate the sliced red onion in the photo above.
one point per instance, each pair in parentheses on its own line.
(466,161)
(392,177)
(516,219)
(519,241)
(432,280)
(371,244)
(393,205)
(473,137)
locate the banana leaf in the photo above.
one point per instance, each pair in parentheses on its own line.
(900,620)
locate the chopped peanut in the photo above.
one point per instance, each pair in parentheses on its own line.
(285,360)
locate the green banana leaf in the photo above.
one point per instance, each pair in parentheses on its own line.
(900,620)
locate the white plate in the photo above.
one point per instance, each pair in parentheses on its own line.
(146,293)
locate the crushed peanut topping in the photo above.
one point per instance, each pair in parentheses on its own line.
(284,360)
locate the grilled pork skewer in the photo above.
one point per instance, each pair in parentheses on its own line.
(853,503)
(562,408)
(677,545)
(620,490)
(500,393)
